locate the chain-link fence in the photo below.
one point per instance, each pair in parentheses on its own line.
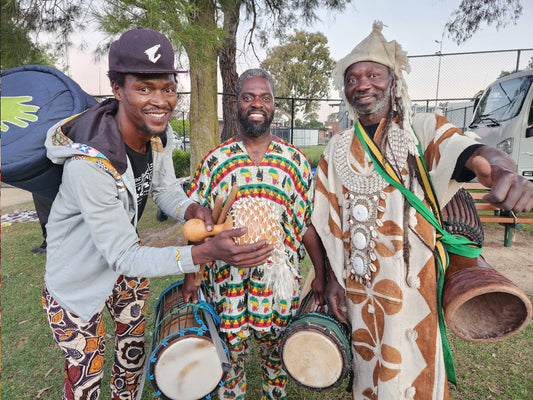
(451,82)
(448,83)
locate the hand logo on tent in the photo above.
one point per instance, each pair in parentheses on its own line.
(17,113)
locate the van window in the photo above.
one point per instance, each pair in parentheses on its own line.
(503,100)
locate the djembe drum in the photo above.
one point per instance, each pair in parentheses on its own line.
(479,303)
(315,348)
(185,360)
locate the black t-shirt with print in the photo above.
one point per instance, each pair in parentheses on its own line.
(143,167)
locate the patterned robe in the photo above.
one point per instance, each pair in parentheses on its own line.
(363,222)
(283,178)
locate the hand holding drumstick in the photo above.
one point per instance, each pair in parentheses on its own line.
(221,245)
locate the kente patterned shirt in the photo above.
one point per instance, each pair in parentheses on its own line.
(284,179)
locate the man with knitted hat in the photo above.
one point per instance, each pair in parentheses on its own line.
(376,209)
(114,156)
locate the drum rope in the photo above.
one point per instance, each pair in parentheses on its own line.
(201,304)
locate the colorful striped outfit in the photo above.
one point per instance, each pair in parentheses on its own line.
(240,297)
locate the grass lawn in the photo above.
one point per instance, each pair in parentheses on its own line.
(32,365)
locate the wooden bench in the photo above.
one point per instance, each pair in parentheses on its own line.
(508,219)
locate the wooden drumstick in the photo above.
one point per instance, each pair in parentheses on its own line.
(229,203)
(217,207)
(194,229)
(199,277)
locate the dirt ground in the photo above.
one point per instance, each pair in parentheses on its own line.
(515,262)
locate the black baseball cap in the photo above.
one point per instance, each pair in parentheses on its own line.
(142,51)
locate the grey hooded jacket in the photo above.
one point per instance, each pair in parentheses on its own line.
(92,237)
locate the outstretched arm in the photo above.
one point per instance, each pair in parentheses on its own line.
(495,169)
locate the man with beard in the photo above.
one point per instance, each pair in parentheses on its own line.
(115,155)
(377,212)
(265,169)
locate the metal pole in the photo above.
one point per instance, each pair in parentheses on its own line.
(517,61)
(183,127)
(292,120)
(438,73)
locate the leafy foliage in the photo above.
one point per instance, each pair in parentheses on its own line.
(17,47)
(24,20)
(180,127)
(467,19)
(300,67)
(182,163)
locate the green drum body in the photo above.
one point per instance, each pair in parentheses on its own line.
(315,349)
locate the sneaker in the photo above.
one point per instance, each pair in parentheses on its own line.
(41,249)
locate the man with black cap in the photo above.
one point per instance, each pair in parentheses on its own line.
(376,209)
(115,155)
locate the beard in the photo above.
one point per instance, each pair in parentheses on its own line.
(381,103)
(152,132)
(254,129)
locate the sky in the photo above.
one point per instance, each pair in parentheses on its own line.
(415,24)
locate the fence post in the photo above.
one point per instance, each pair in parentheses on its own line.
(517,60)
(292,120)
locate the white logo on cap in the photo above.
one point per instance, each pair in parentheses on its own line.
(151,53)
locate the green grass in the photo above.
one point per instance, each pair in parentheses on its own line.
(313,153)
(32,364)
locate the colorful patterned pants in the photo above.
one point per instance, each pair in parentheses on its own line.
(83,344)
(274,377)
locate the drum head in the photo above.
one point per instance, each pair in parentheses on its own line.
(188,369)
(312,359)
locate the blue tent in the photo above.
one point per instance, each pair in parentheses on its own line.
(35,97)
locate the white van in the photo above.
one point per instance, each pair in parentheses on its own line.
(503,118)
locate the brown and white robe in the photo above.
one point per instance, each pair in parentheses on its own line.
(362,221)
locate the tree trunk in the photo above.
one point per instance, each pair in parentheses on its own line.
(228,68)
(203,117)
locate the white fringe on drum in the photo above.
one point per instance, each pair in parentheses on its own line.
(263,223)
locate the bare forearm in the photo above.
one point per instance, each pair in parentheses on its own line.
(315,249)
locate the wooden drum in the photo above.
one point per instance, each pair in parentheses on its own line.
(479,303)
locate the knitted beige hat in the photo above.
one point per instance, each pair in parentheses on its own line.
(376,48)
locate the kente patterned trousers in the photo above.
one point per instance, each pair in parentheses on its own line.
(83,344)
(274,377)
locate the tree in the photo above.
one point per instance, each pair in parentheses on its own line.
(312,121)
(301,68)
(192,26)
(195,25)
(467,19)
(23,19)
(269,18)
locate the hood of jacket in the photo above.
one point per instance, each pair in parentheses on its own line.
(92,133)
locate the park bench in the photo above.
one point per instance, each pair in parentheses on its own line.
(508,219)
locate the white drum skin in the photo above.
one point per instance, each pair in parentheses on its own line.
(314,358)
(188,369)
